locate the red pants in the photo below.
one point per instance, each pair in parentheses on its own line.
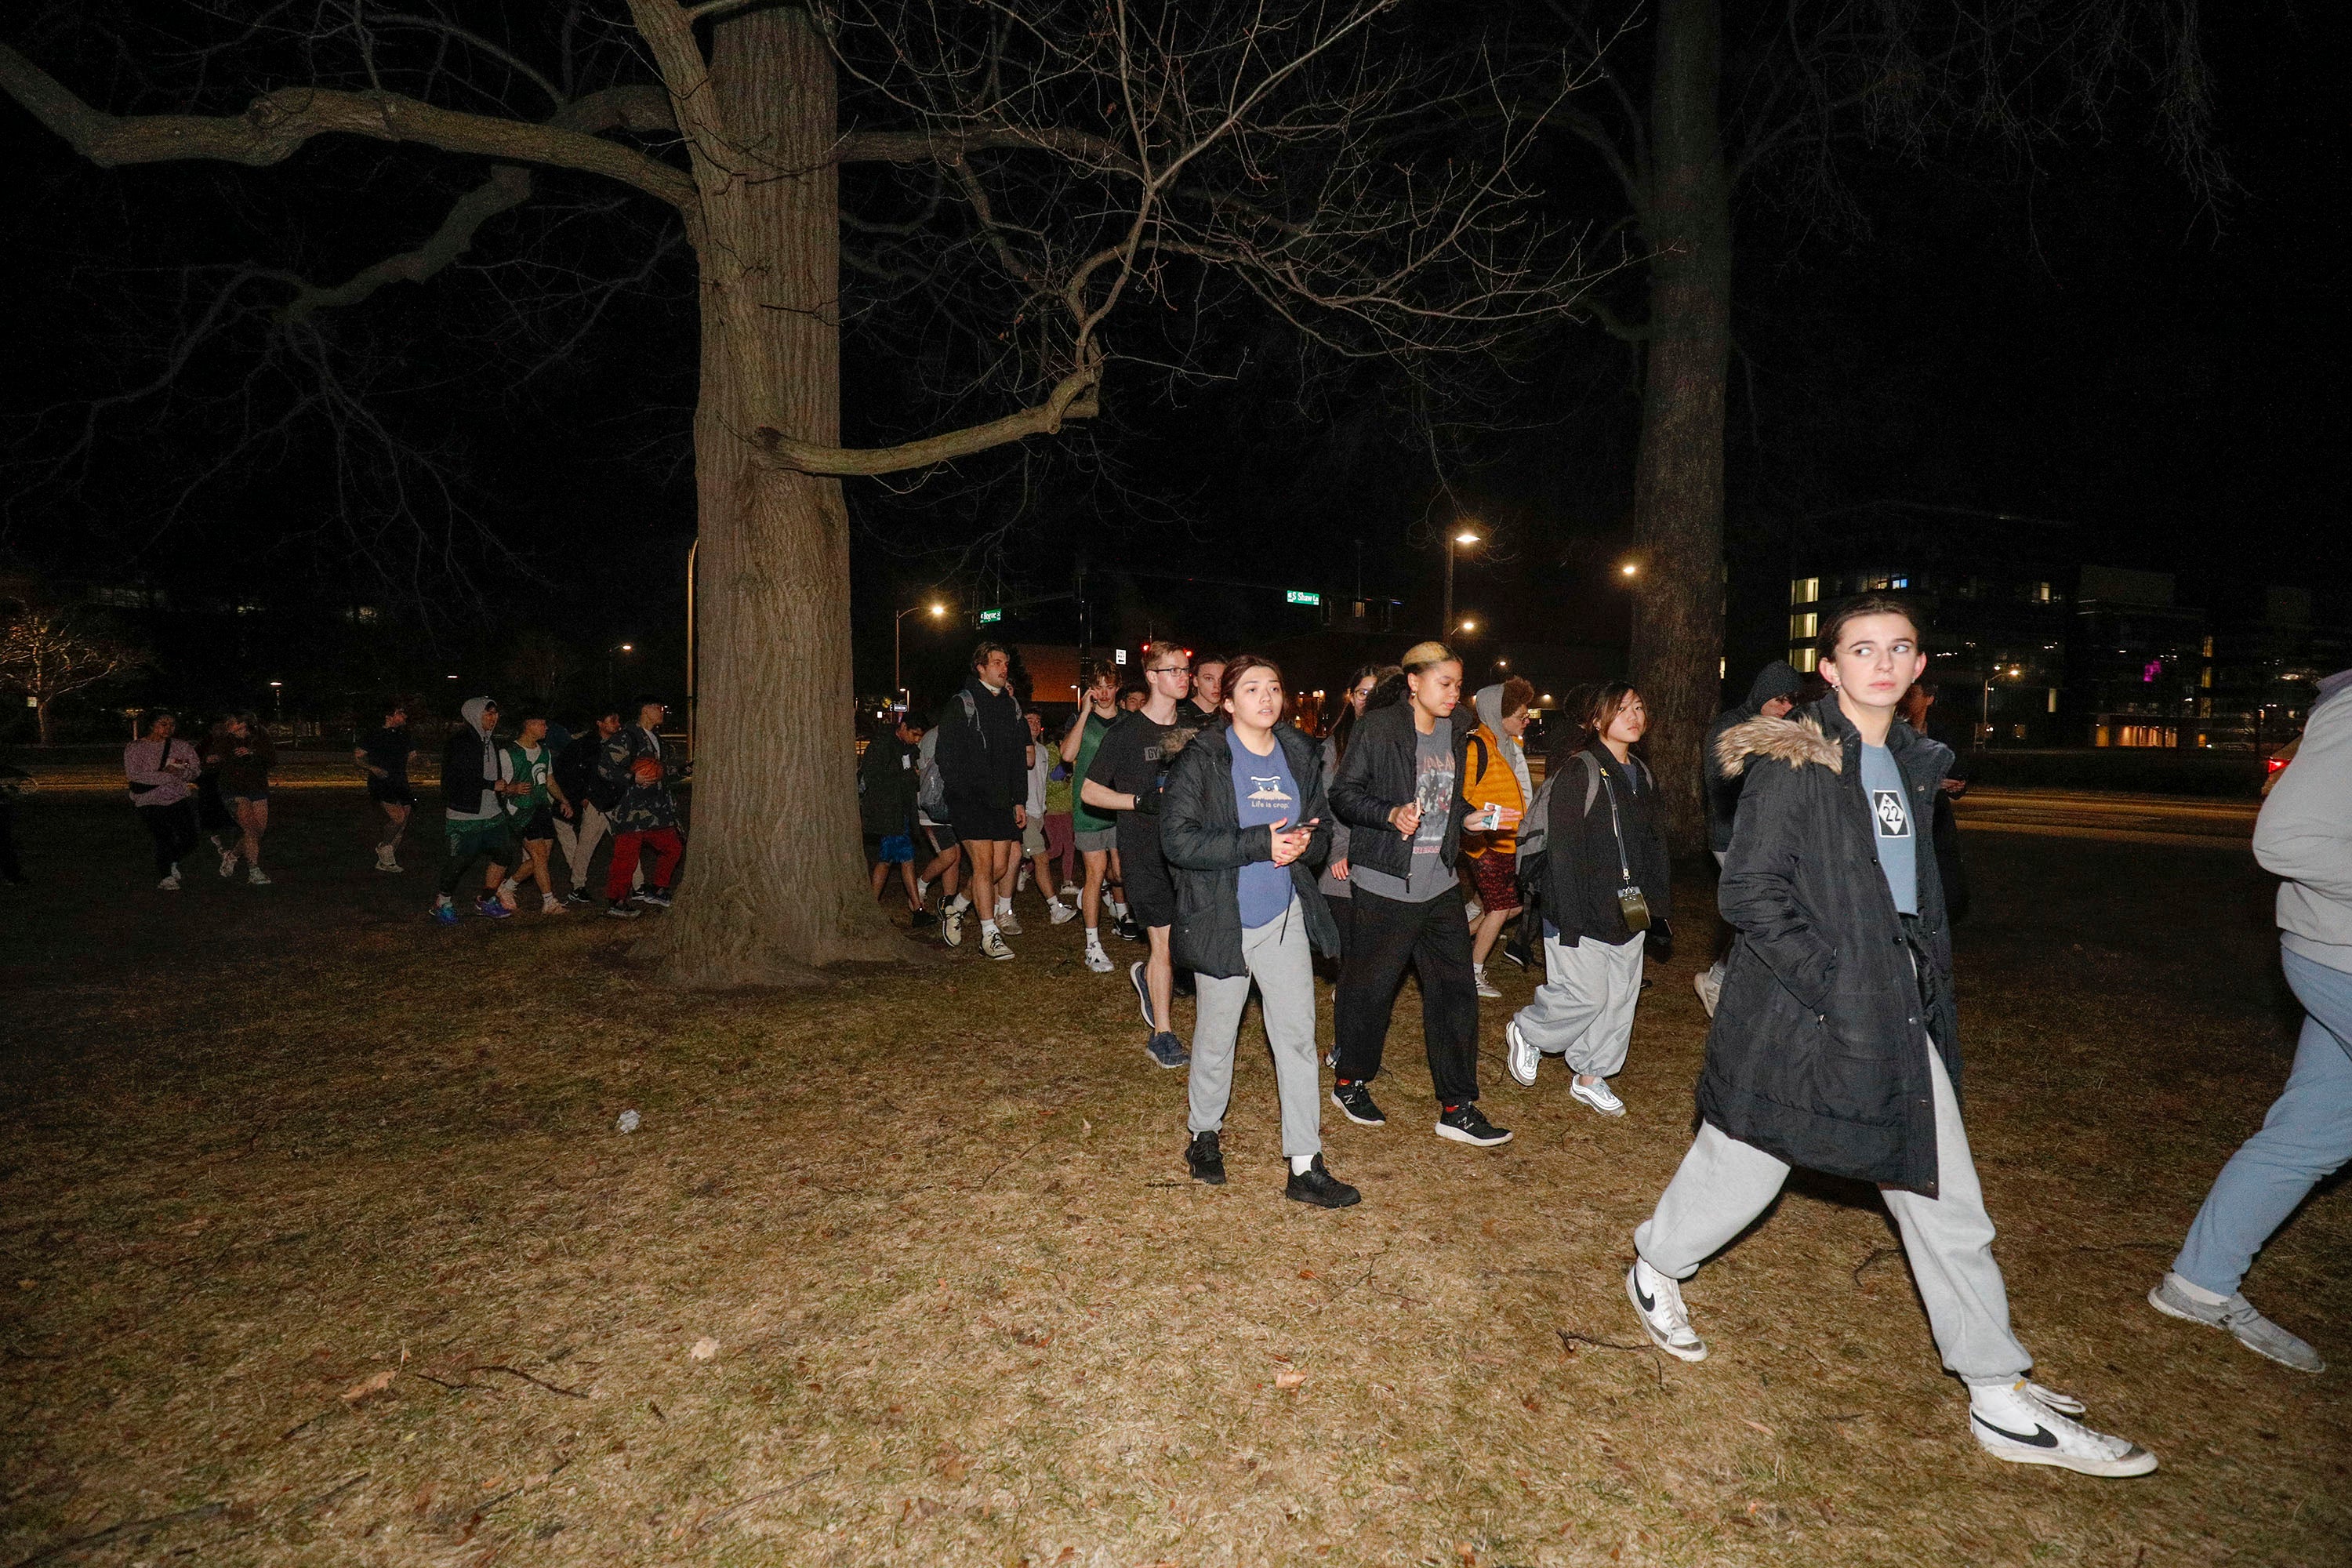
(667,847)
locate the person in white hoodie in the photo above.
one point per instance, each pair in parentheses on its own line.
(2304,835)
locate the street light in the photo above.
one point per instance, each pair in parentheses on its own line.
(1461,539)
(936,610)
(1628,574)
(277,697)
(1468,627)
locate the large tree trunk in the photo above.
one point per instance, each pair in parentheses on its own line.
(1678,475)
(776,885)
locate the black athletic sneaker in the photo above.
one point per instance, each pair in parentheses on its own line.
(918,918)
(1468,1124)
(622,910)
(655,897)
(1207,1161)
(1356,1100)
(1318,1185)
(578,896)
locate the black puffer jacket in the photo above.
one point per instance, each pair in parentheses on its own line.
(1206,847)
(1581,868)
(1380,773)
(1819,1052)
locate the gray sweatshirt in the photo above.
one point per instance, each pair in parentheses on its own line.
(2305,833)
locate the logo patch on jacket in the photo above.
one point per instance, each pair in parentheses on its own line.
(1894,815)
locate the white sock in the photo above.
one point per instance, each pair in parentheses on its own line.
(2194,1291)
(1119,908)
(959,903)
(1003,908)
(922,889)
(1301,1164)
(987,930)
(1094,940)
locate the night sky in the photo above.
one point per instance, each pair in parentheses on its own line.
(2088,344)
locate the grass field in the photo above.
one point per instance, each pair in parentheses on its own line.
(321,1247)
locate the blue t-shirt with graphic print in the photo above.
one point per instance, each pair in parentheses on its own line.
(1893,825)
(1263,794)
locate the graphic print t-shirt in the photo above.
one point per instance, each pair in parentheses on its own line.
(1433,792)
(1134,759)
(1891,826)
(1263,794)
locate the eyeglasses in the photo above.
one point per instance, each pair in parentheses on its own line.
(1169,670)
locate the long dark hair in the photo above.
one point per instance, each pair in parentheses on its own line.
(1343,727)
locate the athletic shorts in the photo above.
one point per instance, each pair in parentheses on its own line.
(389,792)
(942,837)
(978,820)
(1150,894)
(540,828)
(492,838)
(1498,876)
(1032,837)
(1098,840)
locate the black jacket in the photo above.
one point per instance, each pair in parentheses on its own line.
(1778,679)
(1205,846)
(1581,869)
(1819,1052)
(1379,775)
(886,786)
(463,787)
(577,775)
(984,747)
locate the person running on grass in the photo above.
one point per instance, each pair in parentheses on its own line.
(584,800)
(646,817)
(243,755)
(1497,778)
(1129,771)
(983,757)
(886,802)
(531,763)
(1241,826)
(1771,694)
(160,771)
(2304,834)
(1094,833)
(1400,789)
(477,778)
(1033,827)
(383,757)
(1608,881)
(1835,1044)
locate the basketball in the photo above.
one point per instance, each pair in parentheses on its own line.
(646,770)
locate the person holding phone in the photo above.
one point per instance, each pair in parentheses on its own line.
(1607,887)
(1242,828)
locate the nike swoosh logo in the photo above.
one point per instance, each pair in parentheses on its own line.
(1642,1297)
(2042,1436)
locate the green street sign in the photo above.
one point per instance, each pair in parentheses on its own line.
(1301,596)
(987,616)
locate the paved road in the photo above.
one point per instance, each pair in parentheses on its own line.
(2123,818)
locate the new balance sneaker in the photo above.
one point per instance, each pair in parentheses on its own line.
(992,945)
(2177,1297)
(2027,1424)
(170,884)
(1658,1300)
(1316,1186)
(1478,978)
(1142,994)
(622,910)
(1008,922)
(1098,960)
(1168,1050)
(1522,1057)
(951,926)
(1468,1124)
(489,904)
(1205,1160)
(1355,1103)
(444,912)
(256,877)
(1597,1095)
(1059,912)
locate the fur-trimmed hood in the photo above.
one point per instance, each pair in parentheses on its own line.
(1795,741)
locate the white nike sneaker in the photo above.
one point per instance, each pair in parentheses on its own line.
(1597,1095)
(1008,922)
(1659,1302)
(1524,1059)
(2022,1423)
(1478,978)
(992,946)
(1099,961)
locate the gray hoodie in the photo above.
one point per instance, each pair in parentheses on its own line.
(2305,833)
(1489,704)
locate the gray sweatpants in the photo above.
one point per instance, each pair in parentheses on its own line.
(1282,961)
(1584,1008)
(1724,1185)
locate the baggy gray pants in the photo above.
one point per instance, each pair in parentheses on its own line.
(1282,961)
(1724,1185)
(1584,1008)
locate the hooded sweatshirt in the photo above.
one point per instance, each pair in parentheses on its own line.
(1778,679)
(1497,784)
(471,768)
(2305,833)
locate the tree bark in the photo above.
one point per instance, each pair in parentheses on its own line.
(1678,473)
(776,885)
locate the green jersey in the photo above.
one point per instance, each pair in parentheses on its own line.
(530,767)
(1081,819)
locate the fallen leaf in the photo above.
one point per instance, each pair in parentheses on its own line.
(1760,1427)
(1289,1379)
(1307,1273)
(950,1464)
(704,1348)
(366,1386)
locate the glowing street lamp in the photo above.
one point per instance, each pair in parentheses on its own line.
(936,610)
(1461,539)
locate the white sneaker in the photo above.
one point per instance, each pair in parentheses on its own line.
(1070,889)
(951,926)
(386,863)
(993,946)
(256,876)
(1708,983)
(2022,1423)
(549,904)
(1523,1057)
(1659,1302)
(1099,961)
(1597,1095)
(228,862)
(1061,913)
(1008,922)
(1020,882)
(170,884)
(1478,977)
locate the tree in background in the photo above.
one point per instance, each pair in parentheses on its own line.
(47,654)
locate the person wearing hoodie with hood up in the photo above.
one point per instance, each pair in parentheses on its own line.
(1496,776)
(1770,696)
(475,779)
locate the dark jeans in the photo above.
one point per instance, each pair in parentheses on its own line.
(1385,938)
(174,829)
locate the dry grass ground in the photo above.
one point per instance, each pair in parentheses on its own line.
(321,1247)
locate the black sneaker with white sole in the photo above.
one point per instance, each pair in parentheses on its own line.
(1142,983)
(1468,1124)
(1316,1186)
(1205,1160)
(1355,1103)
